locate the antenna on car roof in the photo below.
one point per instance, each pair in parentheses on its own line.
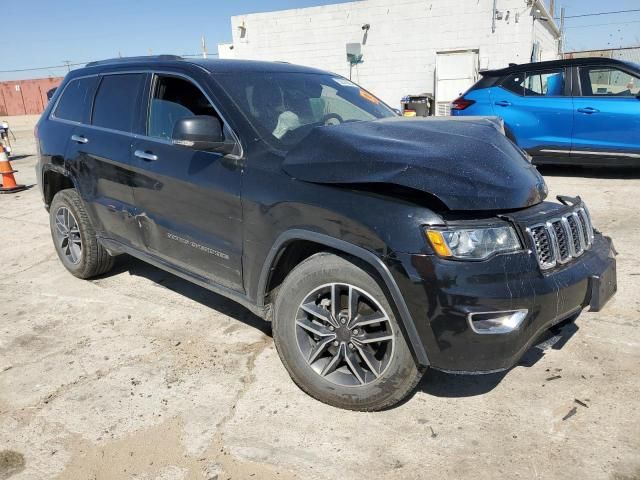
(155,58)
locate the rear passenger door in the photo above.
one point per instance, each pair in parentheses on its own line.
(72,108)
(189,200)
(99,154)
(538,110)
(607,116)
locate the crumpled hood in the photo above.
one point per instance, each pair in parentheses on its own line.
(467,163)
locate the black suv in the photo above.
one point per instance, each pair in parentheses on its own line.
(378,245)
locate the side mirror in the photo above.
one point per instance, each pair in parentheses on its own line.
(201,132)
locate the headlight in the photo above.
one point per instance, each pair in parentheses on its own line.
(473,243)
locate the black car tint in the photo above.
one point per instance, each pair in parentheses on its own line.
(116,101)
(75,98)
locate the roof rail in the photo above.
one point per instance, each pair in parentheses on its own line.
(156,58)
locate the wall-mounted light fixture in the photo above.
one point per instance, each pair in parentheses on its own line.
(537,15)
(365,37)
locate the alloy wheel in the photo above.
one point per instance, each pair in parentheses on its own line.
(68,239)
(344,334)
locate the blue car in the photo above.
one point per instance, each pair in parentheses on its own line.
(582,111)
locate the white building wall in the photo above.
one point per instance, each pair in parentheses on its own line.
(547,38)
(401,45)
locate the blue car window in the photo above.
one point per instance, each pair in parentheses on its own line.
(609,82)
(548,83)
(555,85)
(514,83)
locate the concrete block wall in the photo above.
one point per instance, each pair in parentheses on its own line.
(547,40)
(401,45)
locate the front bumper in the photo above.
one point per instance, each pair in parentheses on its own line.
(440,295)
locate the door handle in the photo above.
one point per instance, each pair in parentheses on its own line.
(588,110)
(79,139)
(149,157)
(503,103)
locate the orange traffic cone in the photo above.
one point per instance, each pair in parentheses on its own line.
(9,184)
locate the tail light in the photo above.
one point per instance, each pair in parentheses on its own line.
(461,103)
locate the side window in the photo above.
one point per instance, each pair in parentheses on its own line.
(116,101)
(75,99)
(514,83)
(608,81)
(173,99)
(549,83)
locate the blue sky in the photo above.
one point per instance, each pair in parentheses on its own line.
(39,33)
(603,31)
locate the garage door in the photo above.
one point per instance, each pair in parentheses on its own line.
(455,73)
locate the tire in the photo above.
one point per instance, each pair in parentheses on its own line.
(358,380)
(81,253)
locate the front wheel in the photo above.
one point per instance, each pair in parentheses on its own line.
(338,337)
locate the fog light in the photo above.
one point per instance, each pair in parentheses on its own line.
(496,322)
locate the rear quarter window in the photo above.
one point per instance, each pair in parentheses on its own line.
(76,99)
(116,102)
(485,82)
(548,83)
(514,83)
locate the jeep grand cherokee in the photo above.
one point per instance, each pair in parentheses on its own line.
(378,246)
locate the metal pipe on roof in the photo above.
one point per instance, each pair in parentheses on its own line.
(493,15)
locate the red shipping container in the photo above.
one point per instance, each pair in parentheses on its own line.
(25,97)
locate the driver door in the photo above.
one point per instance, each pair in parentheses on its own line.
(189,200)
(607,114)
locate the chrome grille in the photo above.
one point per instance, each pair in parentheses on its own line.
(562,239)
(583,213)
(576,234)
(543,244)
(564,250)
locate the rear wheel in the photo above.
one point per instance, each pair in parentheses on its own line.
(74,238)
(338,337)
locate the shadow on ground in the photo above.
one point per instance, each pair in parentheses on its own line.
(13,158)
(133,266)
(447,385)
(434,383)
(622,173)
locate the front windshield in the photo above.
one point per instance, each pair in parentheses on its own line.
(284,107)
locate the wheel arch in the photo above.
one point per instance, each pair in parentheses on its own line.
(54,180)
(315,242)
